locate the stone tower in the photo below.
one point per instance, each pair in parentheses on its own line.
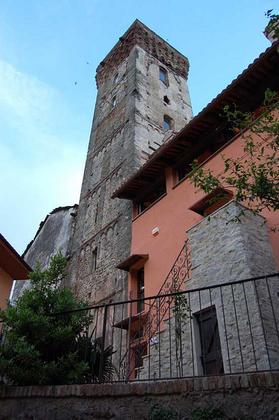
(142,99)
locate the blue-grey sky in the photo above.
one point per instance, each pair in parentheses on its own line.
(49,50)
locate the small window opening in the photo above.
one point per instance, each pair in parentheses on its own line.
(113,102)
(163,75)
(166,100)
(212,202)
(96,212)
(167,123)
(140,290)
(94,259)
(158,190)
(182,170)
(140,352)
(139,333)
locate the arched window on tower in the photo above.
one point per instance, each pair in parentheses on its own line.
(167,123)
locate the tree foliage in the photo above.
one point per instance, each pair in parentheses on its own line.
(41,347)
(253,176)
(272,25)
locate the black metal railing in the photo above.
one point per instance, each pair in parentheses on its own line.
(176,277)
(218,329)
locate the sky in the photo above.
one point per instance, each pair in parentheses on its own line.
(49,51)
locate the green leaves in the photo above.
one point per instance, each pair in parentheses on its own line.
(254,175)
(42,343)
(273,23)
(204,180)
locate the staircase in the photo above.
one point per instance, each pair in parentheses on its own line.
(161,307)
(173,283)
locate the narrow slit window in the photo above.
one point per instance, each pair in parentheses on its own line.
(94,259)
(115,79)
(140,290)
(96,212)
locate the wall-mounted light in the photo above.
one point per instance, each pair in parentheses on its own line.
(155,231)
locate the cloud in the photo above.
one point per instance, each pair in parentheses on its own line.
(40,157)
(24,95)
(32,107)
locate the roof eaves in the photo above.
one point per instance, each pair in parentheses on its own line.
(14,252)
(41,225)
(210,107)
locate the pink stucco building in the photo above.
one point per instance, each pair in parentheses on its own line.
(171,231)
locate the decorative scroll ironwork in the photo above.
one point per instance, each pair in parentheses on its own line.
(173,283)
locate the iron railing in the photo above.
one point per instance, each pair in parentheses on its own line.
(225,328)
(176,277)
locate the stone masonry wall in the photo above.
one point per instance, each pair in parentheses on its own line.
(223,249)
(127,128)
(246,396)
(54,235)
(233,245)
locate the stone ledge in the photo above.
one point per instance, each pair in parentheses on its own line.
(229,383)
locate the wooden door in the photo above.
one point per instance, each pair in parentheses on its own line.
(211,355)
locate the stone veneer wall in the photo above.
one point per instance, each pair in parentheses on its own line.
(246,396)
(232,245)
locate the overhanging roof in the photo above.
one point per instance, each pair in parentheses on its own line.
(246,91)
(134,321)
(130,261)
(12,262)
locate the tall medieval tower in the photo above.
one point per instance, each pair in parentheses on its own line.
(142,99)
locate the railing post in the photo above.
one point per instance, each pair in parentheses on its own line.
(103,343)
(129,344)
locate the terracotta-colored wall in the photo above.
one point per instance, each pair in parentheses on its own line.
(172,215)
(5,288)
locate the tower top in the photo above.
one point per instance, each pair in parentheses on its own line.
(141,35)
